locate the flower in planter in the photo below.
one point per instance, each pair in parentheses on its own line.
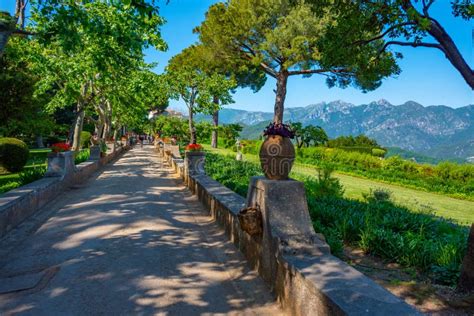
(281,129)
(60,147)
(194,147)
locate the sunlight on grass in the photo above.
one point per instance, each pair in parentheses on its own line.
(461,211)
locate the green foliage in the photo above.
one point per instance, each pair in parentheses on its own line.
(284,38)
(433,245)
(234,175)
(13,154)
(9,186)
(351,141)
(21,112)
(377,152)
(31,174)
(81,156)
(324,184)
(378,195)
(169,126)
(309,135)
(103,147)
(230,133)
(85,139)
(203,132)
(447,177)
(251,146)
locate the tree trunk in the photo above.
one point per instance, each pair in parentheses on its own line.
(76,142)
(215,122)
(192,131)
(282,80)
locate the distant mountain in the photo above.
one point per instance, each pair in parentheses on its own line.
(436,131)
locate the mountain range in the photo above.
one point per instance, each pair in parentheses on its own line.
(437,131)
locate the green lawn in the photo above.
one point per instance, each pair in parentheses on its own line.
(461,211)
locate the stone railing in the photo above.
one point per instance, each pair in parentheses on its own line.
(293,260)
(18,204)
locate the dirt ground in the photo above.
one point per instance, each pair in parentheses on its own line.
(411,286)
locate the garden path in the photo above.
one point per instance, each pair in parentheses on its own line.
(132,240)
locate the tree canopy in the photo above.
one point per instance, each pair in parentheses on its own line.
(285,38)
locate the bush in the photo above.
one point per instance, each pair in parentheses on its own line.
(377,152)
(85,139)
(81,156)
(324,184)
(378,195)
(34,173)
(13,154)
(251,146)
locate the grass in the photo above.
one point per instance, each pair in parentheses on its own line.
(461,211)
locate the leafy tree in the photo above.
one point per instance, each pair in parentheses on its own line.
(351,141)
(170,126)
(198,89)
(410,23)
(231,132)
(314,135)
(204,131)
(308,135)
(93,46)
(286,38)
(211,63)
(65,14)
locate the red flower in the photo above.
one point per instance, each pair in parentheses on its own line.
(194,147)
(60,147)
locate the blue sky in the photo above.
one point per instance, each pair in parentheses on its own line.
(427,76)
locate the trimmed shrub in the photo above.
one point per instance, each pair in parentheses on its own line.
(13,154)
(85,139)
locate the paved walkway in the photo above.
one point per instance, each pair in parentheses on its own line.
(132,240)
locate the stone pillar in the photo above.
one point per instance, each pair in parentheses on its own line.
(466,280)
(60,164)
(94,153)
(286,221)
(194,163)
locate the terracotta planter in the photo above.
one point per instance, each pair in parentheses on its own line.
(277,155)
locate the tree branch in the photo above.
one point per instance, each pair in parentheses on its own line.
(317,71)
(390,29)
(412,44)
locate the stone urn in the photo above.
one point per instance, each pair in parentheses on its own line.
(60,164)
(277,155)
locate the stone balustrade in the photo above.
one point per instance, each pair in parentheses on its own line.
(293,260)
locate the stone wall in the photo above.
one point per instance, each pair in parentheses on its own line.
(18,204)
(305,283)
